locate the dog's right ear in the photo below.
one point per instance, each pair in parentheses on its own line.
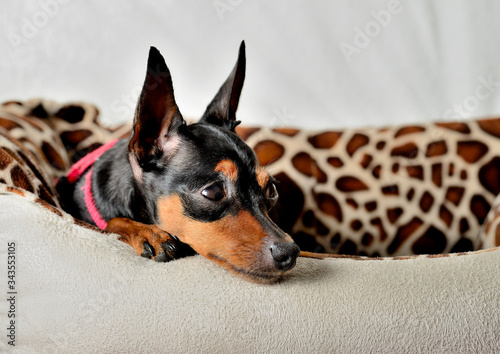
(157,116)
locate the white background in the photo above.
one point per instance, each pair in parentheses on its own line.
(311,64)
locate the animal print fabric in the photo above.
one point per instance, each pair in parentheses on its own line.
(40,140)
(393,191)
(396,191)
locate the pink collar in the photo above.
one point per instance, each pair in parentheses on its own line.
(78,170)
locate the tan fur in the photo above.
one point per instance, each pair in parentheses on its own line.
(237,243)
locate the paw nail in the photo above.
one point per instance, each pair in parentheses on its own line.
(148,250)
(169,247)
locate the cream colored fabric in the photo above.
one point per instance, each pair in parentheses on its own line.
(81,292)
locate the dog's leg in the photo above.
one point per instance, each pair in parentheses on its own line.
(148,240)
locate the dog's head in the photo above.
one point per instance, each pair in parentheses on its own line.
(204,184)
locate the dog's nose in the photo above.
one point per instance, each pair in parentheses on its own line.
(285,254)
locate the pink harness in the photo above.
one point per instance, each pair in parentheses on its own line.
(78,170)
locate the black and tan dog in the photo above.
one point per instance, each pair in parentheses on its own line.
(173,184)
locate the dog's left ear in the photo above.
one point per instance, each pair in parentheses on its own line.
(222,110)
(157,116)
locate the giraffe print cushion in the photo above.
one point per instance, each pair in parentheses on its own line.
(395,191)
(40,140)
(490,231)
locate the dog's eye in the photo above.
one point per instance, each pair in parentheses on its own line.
(214,192)
(271,193)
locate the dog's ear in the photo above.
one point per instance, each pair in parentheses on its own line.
(222,110)
(157,116)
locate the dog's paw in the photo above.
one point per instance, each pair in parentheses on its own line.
(154,243)
(167,253)
(148,240)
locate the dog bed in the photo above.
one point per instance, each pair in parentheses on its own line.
(79,289)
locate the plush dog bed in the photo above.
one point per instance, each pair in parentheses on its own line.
(79,289)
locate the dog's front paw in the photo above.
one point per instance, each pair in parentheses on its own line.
(148,240)
(168,251)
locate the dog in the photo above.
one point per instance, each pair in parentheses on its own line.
(174,184)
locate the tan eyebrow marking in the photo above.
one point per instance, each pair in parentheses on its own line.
(262,177)
(228,168)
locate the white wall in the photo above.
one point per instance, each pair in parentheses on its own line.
(309,63)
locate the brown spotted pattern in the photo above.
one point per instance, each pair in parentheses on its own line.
(490,231)
(38,141)
(76,125)
(394,191)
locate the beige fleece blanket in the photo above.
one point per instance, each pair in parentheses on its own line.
(78,291)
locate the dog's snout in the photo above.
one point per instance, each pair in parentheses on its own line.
(285,254)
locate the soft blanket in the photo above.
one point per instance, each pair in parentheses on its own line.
(77,290)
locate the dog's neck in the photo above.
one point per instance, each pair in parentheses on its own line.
(114,188)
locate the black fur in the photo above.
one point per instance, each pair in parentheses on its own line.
(203,146)
(173,158)
(118,193)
